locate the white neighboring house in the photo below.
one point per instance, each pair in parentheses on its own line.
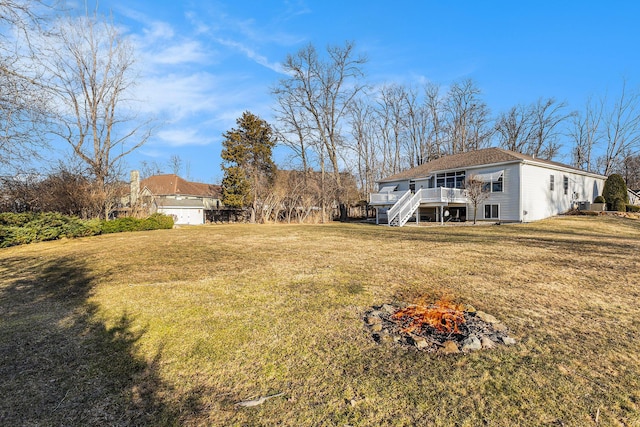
(520,188)
(188,202)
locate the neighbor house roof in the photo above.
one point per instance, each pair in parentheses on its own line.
(486,156)
(173,184)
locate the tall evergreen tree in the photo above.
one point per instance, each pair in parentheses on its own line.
(248,166)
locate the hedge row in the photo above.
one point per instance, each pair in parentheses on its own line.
(24,228)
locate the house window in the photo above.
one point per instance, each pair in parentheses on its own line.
(565,185)
(450,179)
(496,186)
(491,212)
(552,183)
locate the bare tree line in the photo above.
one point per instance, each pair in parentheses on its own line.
(376,132)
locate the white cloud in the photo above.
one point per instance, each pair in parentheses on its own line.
(157,30)
(180,137)
(178,95)
(251,54)
(189,51)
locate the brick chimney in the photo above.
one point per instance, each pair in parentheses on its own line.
(135,187)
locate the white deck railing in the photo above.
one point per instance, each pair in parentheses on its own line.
(429,195)
(443,195)
(386,198)
(391,213)
(408,208)
(405,203)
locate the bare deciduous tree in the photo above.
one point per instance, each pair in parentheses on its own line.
(434,111)
(365,144)
(547,116)
(585,135)
(415,117)
(620,129)
(175,164)
(151,168)
(630,170)
(467,118)
(320,91)
(514,129)
(89,66)
(22,104)
(391,111)
(533,129)
(477,193)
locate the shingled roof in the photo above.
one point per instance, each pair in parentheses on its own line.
(173,184)
(486,156)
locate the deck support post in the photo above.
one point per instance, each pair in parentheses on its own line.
(441,215)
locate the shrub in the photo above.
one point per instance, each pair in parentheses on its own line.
(16,219)
(599,199)
(158,221)
(154,222)
(20,229)
(633,208)
(615,193)
(12,236)
(119,225)
(619,205)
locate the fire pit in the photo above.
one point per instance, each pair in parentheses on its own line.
(442,326)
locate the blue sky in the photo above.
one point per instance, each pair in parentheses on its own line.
(202,63)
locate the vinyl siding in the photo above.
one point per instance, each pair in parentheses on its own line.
(540,202)
(508,200)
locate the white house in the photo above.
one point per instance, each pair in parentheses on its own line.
(188,202)
(520,188)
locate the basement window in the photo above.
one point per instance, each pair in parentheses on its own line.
(491,211)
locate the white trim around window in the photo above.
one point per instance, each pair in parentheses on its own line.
(491,211)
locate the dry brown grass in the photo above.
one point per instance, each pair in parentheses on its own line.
(173,327)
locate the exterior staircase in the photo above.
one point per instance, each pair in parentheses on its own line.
(404,208)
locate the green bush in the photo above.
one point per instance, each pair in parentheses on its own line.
(599,199)
(154,222)
(13,236)
(20,229)
(119,225)
(619,205)
(158,222)
(633,208)
(16,219)
(615,193)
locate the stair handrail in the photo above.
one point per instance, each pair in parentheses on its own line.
(393,211)
(412,205)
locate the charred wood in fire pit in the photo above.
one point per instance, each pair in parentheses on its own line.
(436,328)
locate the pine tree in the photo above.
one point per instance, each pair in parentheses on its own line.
(248,166)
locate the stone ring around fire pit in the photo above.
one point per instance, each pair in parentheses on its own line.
(441,327)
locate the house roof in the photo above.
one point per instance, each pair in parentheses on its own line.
(486,156)
(173,184)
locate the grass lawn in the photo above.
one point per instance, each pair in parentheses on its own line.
(174,327)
